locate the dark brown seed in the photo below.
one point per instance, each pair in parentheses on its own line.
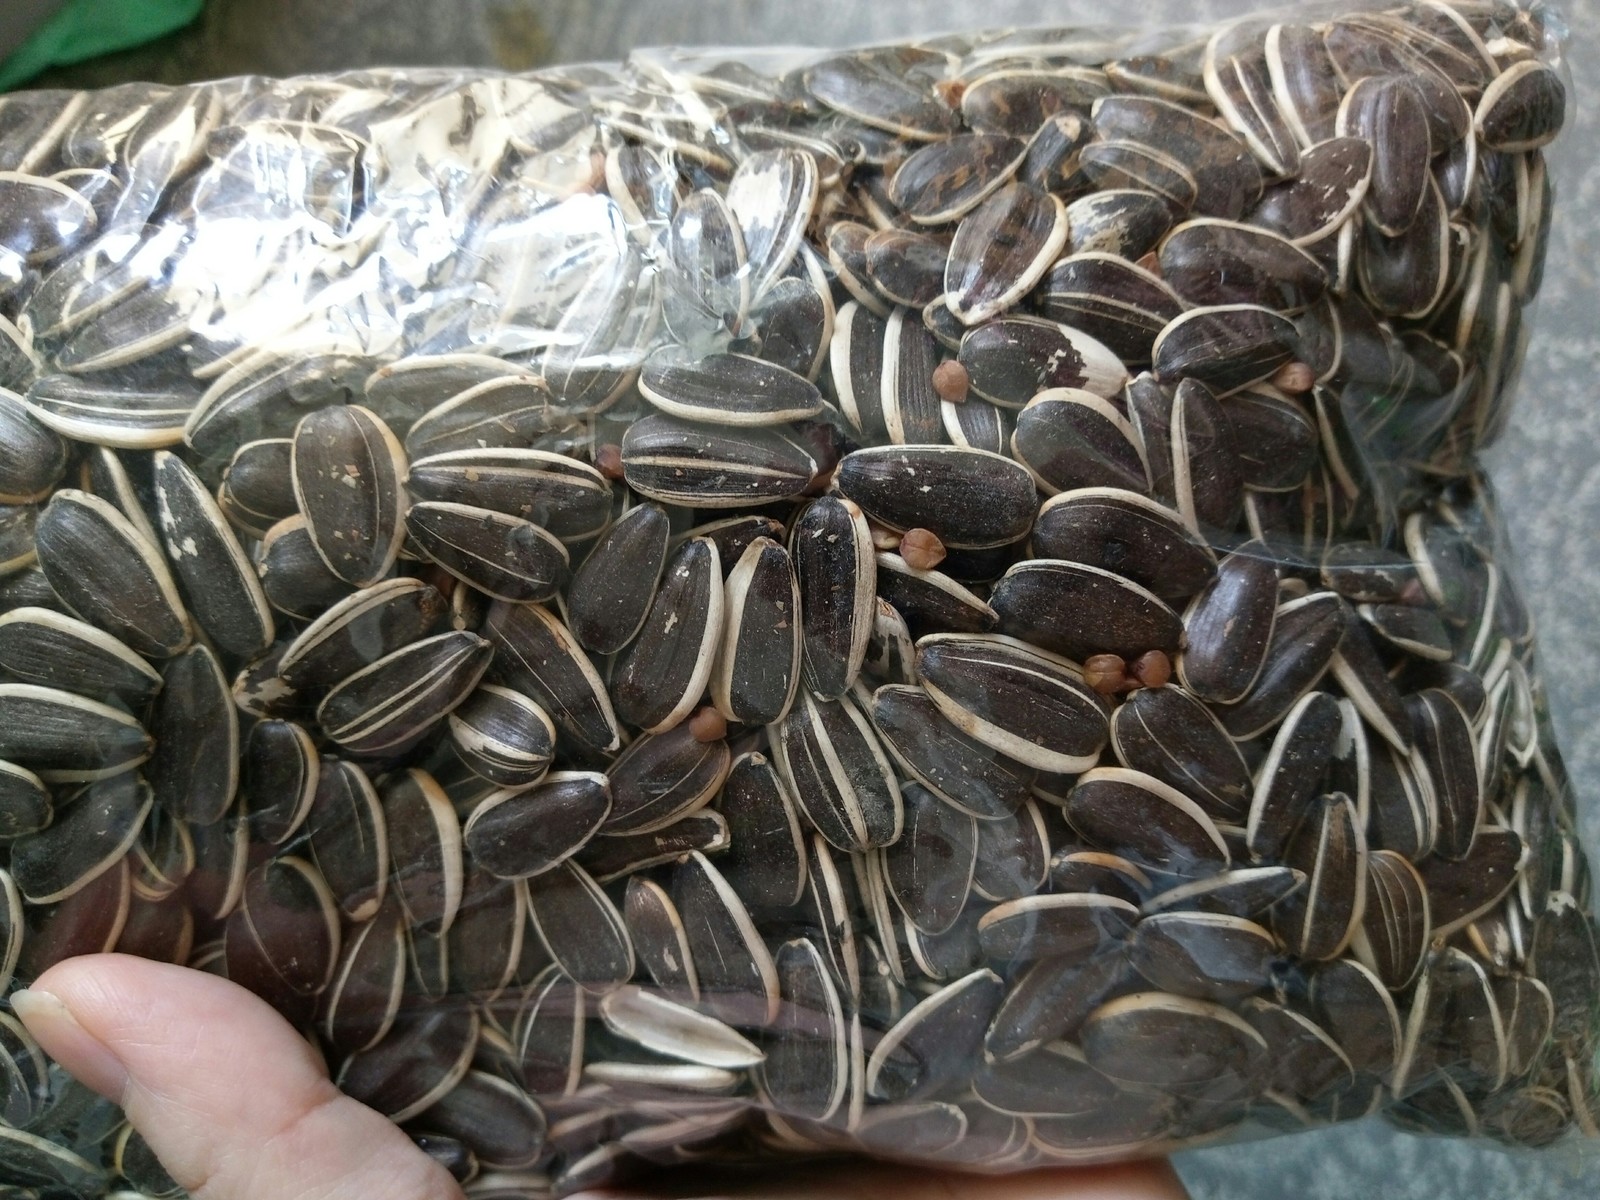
(568,498)
(1306,1062)
(1031,706)
(727,389)
(1174,1043)
(963,772)
(1120,163)
(1229,626)
(1001,249)
(1209,956)
(1121,221)
(1167,733)
(1226,347)
(108,573)
(391,705)
(1128,534)
(766,861)
(1146,821)
(1078,610)
(945,180)
(517,834)
(929,869)
(612,857)
(1330,847)
(1240,892)
(347,466)
(1070,439)
(970,499)
(952,381)
(502,556)
(536,655)
(581,928)
(195,769)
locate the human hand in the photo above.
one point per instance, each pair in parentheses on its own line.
(239,1107)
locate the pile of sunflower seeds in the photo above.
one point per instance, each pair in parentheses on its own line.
(929,602)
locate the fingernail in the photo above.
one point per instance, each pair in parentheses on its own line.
(88,1058)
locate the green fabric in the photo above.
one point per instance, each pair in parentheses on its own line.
(85,28)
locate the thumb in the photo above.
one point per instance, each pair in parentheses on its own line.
(233,1102)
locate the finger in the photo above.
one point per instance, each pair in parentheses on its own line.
(236,1105)
(1153,1180)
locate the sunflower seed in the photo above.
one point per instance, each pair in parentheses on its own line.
(611,591)
(727,389)
(1521,109)
(969,499)
(1290,777)
(67,738)
(662,676)
(503,736)
(831,761)
(945,180)
(1071,440)
(1119,304)
(1444,741)
(701,466)
(738,980)
(106,571)
(363,998)
(1226,347)
(293,576)
(661,778)
(1168,734)
(757,666)
(1001,249)
(1152,1039)
(1388,112)
(25,803)
(1228,627)
(517,834)
(1125,533)
(1078,610)
(47,648)
(502,556)
(806,1069)
(392,704)
(561,495)
(834,565)
(92,830)
(535,654)
(907,267)
(1151,824)
(420,1059)
(937,1043)
(1024,703)
(675,1031)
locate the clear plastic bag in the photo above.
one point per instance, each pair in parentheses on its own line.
(930,601)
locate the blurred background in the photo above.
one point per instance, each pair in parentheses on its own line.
(1546,468)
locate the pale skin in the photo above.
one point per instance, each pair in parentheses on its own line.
(239,1107)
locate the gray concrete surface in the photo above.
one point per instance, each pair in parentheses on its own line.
(1546,468)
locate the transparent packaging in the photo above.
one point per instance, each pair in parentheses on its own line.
(932,601)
